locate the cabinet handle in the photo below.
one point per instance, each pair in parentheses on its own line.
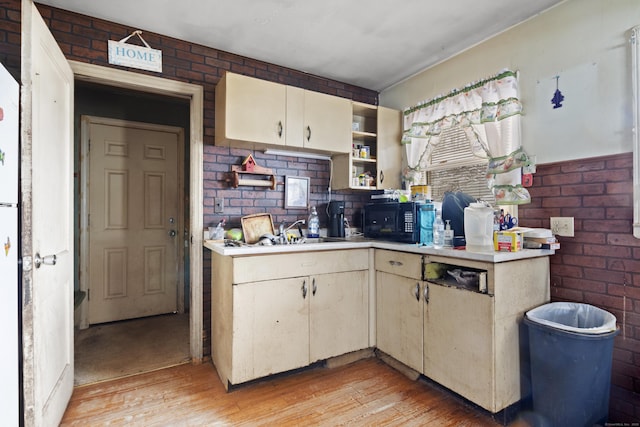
(313,286)
(426,293)
(381,177)
(417,291)
(308,133)
(395,263)
(304,289)
(280,129)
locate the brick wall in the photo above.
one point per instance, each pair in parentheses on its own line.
(84,39)
(600,264)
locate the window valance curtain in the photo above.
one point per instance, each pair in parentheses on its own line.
(489,112)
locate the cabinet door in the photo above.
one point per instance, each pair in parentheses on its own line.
(339,314)
(399,315)
(295,117)
(389,148)
(458,342)
(250,110)
(327,122)
(270,327)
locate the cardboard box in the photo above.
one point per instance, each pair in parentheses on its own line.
(507,241)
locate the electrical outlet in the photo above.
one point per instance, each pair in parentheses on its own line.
(562,225)
(218,205)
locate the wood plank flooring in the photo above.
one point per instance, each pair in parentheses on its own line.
(367,392)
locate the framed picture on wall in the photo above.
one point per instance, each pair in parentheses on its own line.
(296,192)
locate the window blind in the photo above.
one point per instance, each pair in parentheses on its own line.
(453,167)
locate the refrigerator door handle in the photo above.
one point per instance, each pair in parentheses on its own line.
(47,260)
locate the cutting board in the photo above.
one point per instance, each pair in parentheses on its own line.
(256,225)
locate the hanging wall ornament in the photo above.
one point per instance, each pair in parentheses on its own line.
(557,96)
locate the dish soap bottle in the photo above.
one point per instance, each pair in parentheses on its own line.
(218,233)
(448,235)
(438,231)
(313,230)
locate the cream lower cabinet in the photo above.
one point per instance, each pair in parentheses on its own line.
(399,318)
(458,341)
(270,328)
(274,313)
(464,339)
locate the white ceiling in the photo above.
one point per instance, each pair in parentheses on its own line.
(369,43)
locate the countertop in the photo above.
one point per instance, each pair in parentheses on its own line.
(358,243)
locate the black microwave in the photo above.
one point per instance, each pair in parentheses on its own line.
(393,221)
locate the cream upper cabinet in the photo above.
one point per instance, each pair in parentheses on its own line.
(389,149)
(327,122)
(295,117)
(249,110)
(255,111)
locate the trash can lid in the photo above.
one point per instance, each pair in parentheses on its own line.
(574,317)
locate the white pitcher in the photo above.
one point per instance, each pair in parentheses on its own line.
(478,227)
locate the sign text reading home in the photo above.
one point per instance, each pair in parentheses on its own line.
(129,55)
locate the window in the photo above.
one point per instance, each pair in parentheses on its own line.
(453,167)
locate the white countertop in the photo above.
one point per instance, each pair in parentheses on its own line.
(242,251)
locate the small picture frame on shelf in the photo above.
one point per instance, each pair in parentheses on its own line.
(296,192)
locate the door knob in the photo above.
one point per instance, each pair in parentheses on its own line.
(47,260)
(172,233)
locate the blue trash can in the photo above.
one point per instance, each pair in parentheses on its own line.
(570,348)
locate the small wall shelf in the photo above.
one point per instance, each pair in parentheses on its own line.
(254,178)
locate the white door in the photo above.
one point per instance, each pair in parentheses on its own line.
(47,222)
(135,219)
(9,143)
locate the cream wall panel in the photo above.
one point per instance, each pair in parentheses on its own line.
(586,43)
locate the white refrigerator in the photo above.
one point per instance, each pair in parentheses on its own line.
(9,285)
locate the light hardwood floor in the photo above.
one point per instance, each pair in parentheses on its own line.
(364,393)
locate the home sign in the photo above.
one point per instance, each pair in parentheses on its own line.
(134,56)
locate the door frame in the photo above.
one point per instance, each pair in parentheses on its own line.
(86,121)
(195,94)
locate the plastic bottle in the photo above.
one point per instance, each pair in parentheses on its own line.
(438,231)
(448,236)
(425,218)
(220,230)
(313,229)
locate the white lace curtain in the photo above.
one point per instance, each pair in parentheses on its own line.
(489,113)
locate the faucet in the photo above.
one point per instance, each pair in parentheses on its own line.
(283,231)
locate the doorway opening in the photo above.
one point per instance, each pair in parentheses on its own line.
(134,175)
(157,91)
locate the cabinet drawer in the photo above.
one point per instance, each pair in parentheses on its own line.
(399,263)
(280,266)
